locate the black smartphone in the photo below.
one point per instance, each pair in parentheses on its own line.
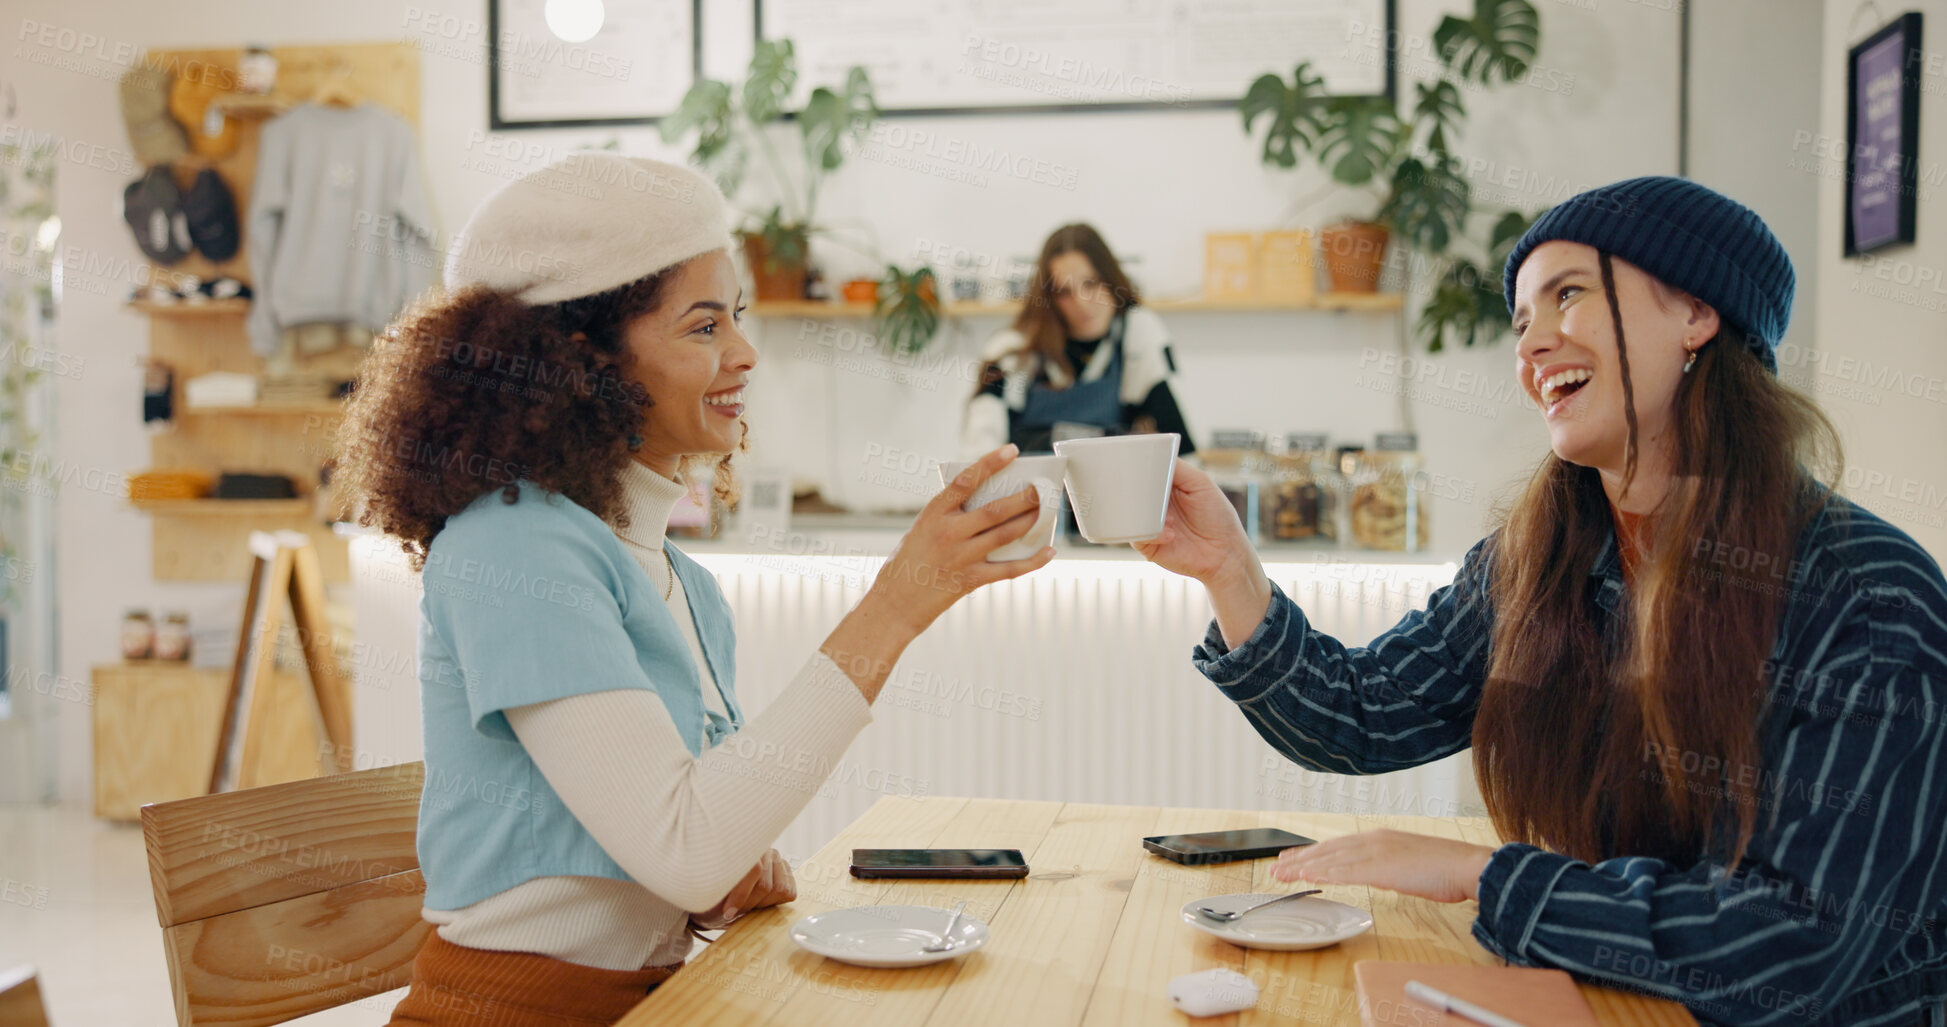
(963,863)
(1224,846)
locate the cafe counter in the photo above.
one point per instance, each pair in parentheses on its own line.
(1072,684)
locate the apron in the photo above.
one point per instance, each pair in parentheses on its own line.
(1097,404)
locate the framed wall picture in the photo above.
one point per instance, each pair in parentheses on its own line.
(1883,136)
(634,68)
(979,57)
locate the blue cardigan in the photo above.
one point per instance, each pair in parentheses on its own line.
(1838,915)
(524,603)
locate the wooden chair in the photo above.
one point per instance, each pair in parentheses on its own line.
(20,998)
(280,901)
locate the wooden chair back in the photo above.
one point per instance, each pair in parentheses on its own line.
(280,901)
(20,998)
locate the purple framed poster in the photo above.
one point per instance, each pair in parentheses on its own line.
(1882,136)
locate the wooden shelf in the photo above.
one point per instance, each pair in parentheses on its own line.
(212,307)
(1379,301)
(1364,301)
(325,407)
(226,507)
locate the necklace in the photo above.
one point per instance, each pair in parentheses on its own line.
(669,589)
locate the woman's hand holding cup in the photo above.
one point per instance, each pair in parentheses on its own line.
(1203,539)
(941,559)
(944,556)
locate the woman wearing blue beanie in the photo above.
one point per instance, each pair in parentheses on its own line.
(1704,692)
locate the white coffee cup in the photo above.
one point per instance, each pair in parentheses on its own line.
(1119,485)
(1042,472)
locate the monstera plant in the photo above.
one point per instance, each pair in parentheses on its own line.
(1406,162)
(733,128)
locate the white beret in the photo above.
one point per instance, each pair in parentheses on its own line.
(587,223)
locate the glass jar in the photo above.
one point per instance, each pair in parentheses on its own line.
(1235,461)
(172,637)
(1388,504)
(1297,501)
(138,635)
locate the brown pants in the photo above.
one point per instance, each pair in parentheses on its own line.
(456,986)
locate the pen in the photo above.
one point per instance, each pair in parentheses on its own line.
(1441,1000)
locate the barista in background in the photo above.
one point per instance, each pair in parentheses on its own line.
(1081,312)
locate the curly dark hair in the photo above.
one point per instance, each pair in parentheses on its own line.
(480,391)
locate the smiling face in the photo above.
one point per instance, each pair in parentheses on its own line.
(692,357)
(1567,360)
(1084,300)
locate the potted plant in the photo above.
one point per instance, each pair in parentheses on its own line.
(733,123)
(1406,163)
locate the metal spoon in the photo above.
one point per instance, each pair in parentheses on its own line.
(1227,915)
(946,937)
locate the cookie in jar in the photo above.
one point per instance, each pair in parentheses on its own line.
(1388,495)
(1298,504)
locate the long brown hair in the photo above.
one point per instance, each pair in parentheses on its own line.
(479,391)
(1039,321)
(1577,722)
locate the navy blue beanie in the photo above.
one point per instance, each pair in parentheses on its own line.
(1685,235)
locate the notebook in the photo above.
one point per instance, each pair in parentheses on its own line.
(1537,998)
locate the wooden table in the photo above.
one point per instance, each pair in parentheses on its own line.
(1091,937)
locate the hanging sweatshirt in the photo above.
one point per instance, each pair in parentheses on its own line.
(340,225)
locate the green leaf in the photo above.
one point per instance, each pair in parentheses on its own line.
(1508,230)
(1359,137)
(773,74)
(1458,307)
(1439,102)
(907,314)
(1500,38)
(830,118)
(703,110)
(1293,112)
(1448,309)
(1468,303)
(1429,203)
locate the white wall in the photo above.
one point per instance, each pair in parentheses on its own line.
(1746,150)
(1879,367)
(1602,108)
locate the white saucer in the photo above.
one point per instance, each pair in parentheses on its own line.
(886,935)
(1309,923)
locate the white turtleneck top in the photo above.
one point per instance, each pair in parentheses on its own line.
(685,829)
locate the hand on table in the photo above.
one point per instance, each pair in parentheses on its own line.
(1440,869)
(769,883)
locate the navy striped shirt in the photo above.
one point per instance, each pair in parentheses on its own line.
(1838,913)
